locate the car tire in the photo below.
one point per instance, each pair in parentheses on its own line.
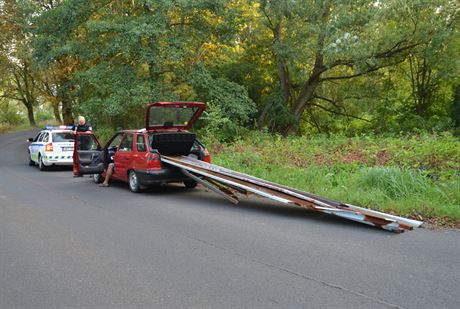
(190,184)
(97,178)
(41,165)
(31,162)
(133,182)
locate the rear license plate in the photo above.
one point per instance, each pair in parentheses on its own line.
(67,148)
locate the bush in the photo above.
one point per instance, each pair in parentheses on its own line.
(218,127)
(44,116)
(392,181)
(230,98)
(104,134)
(9,115)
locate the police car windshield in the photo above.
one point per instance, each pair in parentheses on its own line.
(63,137)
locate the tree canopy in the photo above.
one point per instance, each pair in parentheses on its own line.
(290,66)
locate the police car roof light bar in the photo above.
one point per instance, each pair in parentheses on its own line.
(60,127)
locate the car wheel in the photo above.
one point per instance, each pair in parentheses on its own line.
(190,184)
(31,162)
(133,180)
(97,178)
(41,165)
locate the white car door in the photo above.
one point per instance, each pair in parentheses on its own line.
(43,141)
(34,146)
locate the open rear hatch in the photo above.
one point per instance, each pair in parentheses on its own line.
(173,115)
(166,120)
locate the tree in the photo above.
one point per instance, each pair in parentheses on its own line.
(315,43)
(20,78)
(122,55)
(455,108)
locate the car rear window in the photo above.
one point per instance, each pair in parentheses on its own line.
(63,137)
(171,116)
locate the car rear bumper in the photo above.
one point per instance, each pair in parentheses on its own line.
(163,175)
(58,159)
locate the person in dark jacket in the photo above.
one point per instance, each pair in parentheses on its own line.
(83,125)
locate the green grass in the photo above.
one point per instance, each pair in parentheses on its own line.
(416,176)
(5,128)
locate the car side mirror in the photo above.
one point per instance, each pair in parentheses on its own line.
(30,140)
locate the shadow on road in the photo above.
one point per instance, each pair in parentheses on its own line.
(205,199)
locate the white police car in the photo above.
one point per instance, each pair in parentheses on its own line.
(52,146)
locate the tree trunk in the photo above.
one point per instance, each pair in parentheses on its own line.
(30,113)
(306,95)
(56,112)
(67,116)
(283,72)
(309,87)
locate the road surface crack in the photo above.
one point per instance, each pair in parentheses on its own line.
(300,275)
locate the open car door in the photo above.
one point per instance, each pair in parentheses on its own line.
(88,155)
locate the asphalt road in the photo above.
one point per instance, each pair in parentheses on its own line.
(67,243)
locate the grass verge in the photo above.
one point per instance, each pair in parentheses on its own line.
(417,177)
(5,128)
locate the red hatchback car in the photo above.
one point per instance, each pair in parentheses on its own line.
(137,153)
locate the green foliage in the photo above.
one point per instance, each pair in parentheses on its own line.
(231,99)
(119,94)
(126,55)
(218,127)
(275,115)
(393,182)
(55,28)
(104,134)
(455,108)
(19,81)
(334,67)
(10,114)
(320,47)
(44,116)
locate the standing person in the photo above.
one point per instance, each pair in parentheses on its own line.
(82,125)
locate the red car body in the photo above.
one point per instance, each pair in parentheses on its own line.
(136,154)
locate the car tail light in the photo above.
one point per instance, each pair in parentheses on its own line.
(206,156)
(49,147)
(153,156)
(153,160)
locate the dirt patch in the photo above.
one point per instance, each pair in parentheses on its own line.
(353,157)
(382,157)
(297,161)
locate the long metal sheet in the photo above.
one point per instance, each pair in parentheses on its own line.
(294,192)
(216,188)
(304,195)
(246,183)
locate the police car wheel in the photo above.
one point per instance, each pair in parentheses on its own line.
(97,178)
(31,162)
(134,185)
(41,165)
